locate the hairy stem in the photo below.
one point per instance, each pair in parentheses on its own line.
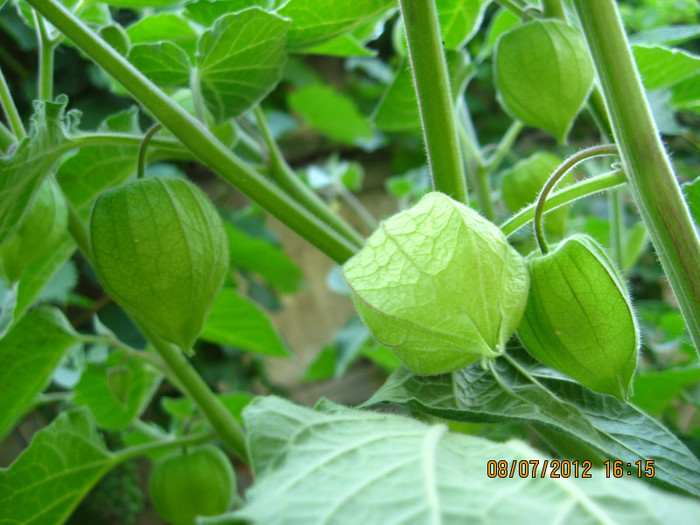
(434,98)
(8,105)
(195,137)
(560,198)
(652,181)
(563,169)
(295,187)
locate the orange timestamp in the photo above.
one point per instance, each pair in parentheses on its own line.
(533,468)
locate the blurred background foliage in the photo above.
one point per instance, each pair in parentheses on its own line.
(346,123)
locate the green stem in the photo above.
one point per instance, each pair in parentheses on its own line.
(200,108)
(553,9)
(504,146)
(565,196)
(617,221)
(141,165)
(8,105)
(120,139)
(289,182)
(482,178)
(356,205)
(596,106)
(51,397)
(78,230)
(194,136)
(512,7)
(652,181)
(46,59)
(159,446)
(225,425)
(7,138)
(434,98)
(563,169)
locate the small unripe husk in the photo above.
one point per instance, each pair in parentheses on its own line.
(159,248)
(439,285)
(579,317)
(40,232)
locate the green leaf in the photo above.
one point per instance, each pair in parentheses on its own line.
(26,168)
(317,21)
(501,22)
(166,64)
(260,256)
(398,109)
(165,26)
(184,408)
(339,465)
(518,389)
(238,322)
(39,274)
(662,67)
(459,20)
(686,95)
(96,168)
(56,471)
(329,112)
(634,242)
(343,46)
(240,60)
(543,74)
(206,12)
(654,391)
(670,36)
(110,412)
(29,354)
(141,4)
(116,37)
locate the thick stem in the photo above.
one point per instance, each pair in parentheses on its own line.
(195,137)
(563,169)
(8,105)
(46,56)
(289,182)
(434,98)
(565,196)
(652,180)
